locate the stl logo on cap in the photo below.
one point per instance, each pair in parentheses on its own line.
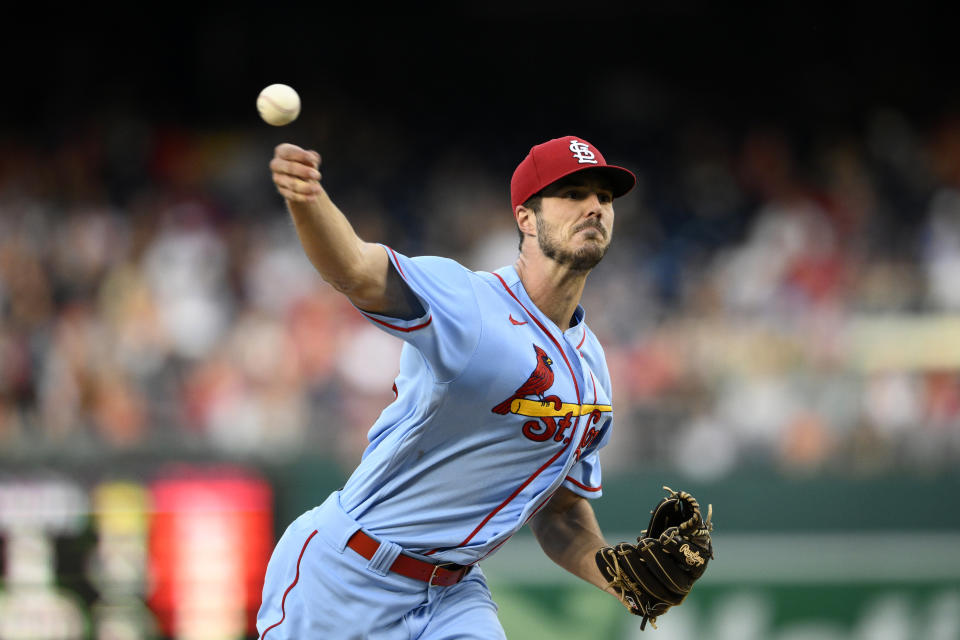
(582,153)
(557,158)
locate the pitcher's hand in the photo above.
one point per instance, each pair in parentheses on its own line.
(296,172)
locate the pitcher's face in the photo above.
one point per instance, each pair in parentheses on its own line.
(575,222)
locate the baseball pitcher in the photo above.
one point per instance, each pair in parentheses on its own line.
(503,399)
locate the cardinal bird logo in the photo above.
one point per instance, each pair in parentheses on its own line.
(539,381)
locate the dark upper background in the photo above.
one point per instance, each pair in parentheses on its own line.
(503,68)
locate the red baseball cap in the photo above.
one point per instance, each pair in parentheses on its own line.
(548,162)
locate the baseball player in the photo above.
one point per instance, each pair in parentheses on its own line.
(502,400)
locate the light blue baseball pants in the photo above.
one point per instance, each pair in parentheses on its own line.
(317,588)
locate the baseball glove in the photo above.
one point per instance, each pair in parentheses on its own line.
(670,555)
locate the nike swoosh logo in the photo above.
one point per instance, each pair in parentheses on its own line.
(516,322)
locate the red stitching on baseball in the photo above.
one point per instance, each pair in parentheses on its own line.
(281,109)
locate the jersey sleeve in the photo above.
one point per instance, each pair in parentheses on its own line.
(448,331)
(585,478)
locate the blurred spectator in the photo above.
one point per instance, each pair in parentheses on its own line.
(153,293)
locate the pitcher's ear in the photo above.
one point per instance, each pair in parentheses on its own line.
(526,220)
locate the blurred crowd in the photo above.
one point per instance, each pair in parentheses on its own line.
(774,295)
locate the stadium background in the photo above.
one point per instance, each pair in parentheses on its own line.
(779,307)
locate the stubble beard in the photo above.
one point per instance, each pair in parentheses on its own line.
(583,259)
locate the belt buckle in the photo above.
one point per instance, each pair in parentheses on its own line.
(444,565)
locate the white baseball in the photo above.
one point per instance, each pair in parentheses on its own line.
(278,104)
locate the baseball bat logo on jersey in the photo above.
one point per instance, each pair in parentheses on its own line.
(553,415)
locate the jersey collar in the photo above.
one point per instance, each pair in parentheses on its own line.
(512,278)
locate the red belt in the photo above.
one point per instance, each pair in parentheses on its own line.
(408,566)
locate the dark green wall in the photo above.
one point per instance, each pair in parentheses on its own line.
(757,500)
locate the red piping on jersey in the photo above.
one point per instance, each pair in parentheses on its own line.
(583,339)
(397,262)
(586,488)
(283,601)
(596,399)
(559,453)
(549,335)
(539,506)
(510,498)
(583,486)
(497,546)
(396,328)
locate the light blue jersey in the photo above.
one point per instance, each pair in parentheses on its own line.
(496,409)
(470,449)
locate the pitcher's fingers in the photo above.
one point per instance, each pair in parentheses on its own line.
(293,196)
(293,168)
(296,185)
(292,152)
